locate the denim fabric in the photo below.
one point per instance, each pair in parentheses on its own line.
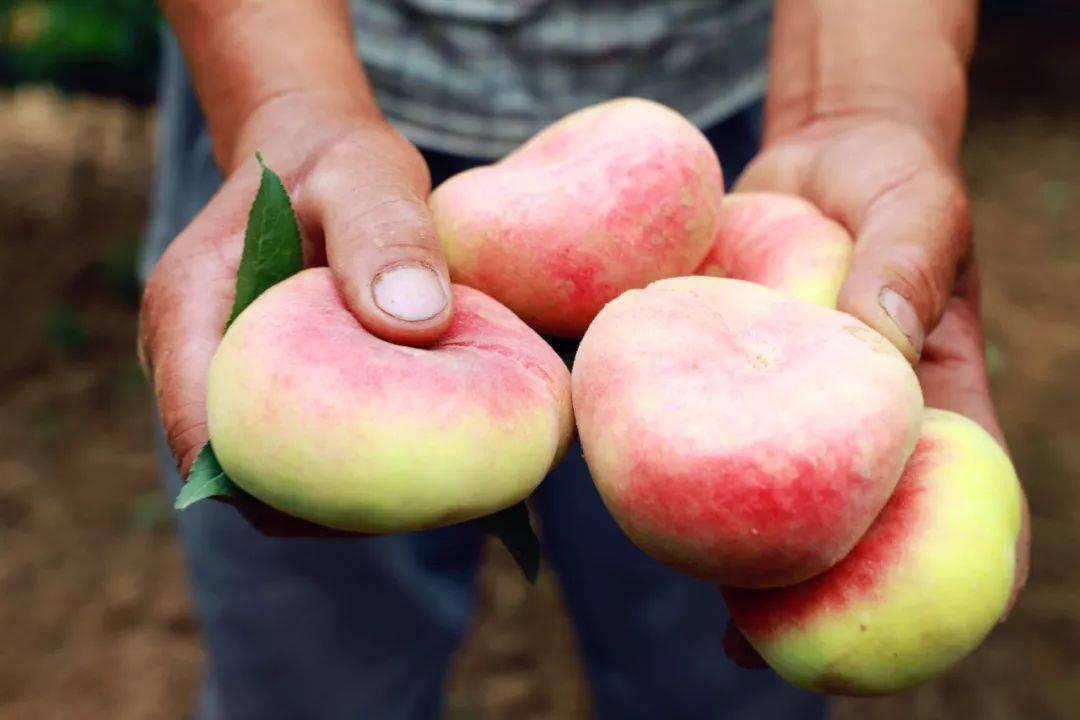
(357,629)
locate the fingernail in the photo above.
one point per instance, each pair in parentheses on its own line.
(902,313)
(409,292)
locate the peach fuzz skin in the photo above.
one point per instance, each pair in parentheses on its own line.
(930,579)
(740,435)
(318,418)
(782,242)
(609,198)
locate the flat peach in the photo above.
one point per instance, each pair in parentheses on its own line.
(320,419)
(738,434)
(609,198)
(782,242)
(922,588)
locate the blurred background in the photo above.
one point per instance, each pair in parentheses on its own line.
(95,620)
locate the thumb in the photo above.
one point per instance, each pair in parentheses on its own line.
(368,195)
(910,242)
(907,209)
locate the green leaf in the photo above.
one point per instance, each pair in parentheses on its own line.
(512,527)
(205,480)
(272,249)
(272,252)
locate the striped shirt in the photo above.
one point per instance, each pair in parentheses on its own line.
(478,77)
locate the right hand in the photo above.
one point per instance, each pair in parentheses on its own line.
(359,190)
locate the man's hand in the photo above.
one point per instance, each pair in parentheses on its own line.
(902,200)
(359,190)
(864,114)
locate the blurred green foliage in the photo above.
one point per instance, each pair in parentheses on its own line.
(148,513)
(99,46)
(116,266)
(64,330)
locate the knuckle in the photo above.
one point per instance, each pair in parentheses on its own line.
(957,209)
(194,267)
(386,224)
(394,207)
(364,154)
(151,308)
(946,213)
(370,193)
(911,273)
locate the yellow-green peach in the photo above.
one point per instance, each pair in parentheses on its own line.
(316,417)
(609,198)
(738,434)
(783,242)
(930,579)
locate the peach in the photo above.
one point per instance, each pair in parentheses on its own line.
(738,434)
(318,418)
(783,242)
(609,198)
(920,591)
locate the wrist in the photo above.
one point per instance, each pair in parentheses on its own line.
(935,106)
(247,57)
(904,62)
(297,124)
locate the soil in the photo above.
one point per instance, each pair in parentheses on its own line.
(93,601)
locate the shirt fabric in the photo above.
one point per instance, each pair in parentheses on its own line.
(478,77)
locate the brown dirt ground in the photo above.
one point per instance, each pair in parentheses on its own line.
(93,604)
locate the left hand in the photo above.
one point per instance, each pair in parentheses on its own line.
(896,188)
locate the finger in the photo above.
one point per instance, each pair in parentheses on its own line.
(953,372)
(907,210)
(781,169)
(908,246)
(954,377)
(185,306)
(909,214)
(368,195)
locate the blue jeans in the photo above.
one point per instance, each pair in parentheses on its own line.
(342,629)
